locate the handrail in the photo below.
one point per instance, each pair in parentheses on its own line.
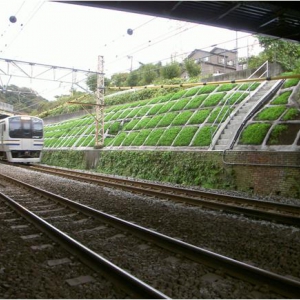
(213,132)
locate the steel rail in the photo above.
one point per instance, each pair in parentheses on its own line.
(130,284)
(280,284)
(191,197)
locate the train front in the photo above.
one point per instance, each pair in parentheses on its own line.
(25,139)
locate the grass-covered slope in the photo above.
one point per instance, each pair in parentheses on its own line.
(278,122)
(186,118)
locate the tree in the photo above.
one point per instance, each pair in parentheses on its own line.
(170,70)
(149,73)
(119,79)
(132,79)
(91,82)
(192,68)
(286,53)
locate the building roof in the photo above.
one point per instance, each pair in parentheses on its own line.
(274,18)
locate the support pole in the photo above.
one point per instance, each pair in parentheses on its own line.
(99,142)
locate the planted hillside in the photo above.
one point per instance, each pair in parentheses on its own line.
(278,122)
(188,117)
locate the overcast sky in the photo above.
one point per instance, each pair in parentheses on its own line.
(74,36)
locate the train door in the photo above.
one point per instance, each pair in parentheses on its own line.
(2,129)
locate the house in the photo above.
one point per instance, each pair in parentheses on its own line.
(217,61)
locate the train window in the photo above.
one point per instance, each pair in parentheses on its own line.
(15,128)
(37,128)
(25,127)
(26,124)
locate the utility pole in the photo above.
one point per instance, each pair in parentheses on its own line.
(100,105)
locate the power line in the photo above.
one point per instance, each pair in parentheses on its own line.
(30,17)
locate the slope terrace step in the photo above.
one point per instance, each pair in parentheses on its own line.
(245,109)
(228,134)
(220,147)
(223,142)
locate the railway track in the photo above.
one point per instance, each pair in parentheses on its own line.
(41,210)
(264,210)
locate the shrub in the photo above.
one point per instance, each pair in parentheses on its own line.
(254,134)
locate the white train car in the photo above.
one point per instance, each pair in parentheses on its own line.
(21,139)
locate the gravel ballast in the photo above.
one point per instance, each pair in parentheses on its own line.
(263,244)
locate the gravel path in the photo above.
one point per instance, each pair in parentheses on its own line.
(263,244)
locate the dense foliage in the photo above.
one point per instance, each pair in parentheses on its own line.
(23,99)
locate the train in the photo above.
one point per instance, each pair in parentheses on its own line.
(21,139)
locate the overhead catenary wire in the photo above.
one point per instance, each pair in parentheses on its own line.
(33,12)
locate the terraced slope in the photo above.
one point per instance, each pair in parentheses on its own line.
(189,119)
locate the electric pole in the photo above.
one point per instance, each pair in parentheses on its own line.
(100,105)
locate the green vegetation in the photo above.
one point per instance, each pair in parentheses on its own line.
(282,98)
(235,98)
(291,114)
(168,136)
(167,119)
(204,136)
(254,134)
(276,132)
(270,113)
(200,116)
(226,87)
(291,82)
(196,102)
(185,136)
(181,118)
(213,100)
(153,137)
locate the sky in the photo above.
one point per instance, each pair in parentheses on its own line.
(74,36)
